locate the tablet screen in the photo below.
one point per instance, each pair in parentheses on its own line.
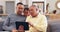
(22,24)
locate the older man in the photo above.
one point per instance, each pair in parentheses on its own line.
(37,21)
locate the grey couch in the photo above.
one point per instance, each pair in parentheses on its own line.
(53,25)
(1,24)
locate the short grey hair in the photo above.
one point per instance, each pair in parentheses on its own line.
(35,6)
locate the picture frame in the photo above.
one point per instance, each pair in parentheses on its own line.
(40,5)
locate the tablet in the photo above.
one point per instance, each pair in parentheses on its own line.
(25,24)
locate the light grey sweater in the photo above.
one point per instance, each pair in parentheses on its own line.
(9,23)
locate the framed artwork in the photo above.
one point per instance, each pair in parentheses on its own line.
(1,9)
(40,5)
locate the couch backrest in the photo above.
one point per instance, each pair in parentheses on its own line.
(54,25)
(1,24)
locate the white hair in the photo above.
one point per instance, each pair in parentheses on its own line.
(35,7)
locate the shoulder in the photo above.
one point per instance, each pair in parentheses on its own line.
(28,17)
(11,15)
(42,16)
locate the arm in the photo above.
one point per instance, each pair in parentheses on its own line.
(6,24)
(42,26)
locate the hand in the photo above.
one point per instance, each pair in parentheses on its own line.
(31,24)
(21,31)
(14,30)
(18,31)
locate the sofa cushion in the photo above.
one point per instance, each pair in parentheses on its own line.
(1,24)
(54,25)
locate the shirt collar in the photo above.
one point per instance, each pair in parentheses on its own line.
(36,16)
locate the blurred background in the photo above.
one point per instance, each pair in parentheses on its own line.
(50,8)
(9,6)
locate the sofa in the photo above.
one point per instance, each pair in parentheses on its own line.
(1,24)
(53,25)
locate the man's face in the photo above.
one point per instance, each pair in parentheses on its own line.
(32,11)
(20,8)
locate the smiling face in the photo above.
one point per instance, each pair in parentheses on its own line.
(20,9)
(33,10)
(26,12)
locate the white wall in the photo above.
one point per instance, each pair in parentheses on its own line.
(26,2)
(23,1)
(52,5)
(37,0)
(2,2)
